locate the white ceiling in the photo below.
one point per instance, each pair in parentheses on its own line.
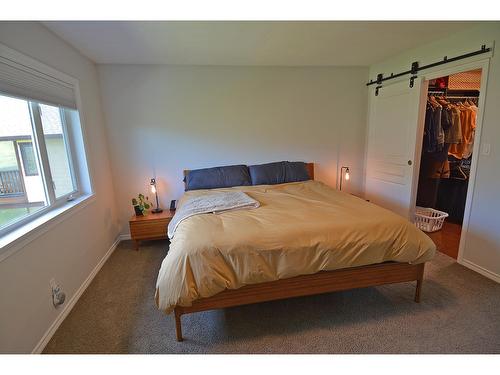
(289,43)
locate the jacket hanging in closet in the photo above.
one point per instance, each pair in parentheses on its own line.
(454,133)
(433,131)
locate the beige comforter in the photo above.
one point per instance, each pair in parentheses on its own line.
(300,228)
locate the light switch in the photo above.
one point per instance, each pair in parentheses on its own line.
(485,149)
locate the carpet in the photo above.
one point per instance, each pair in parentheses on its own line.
(459,313)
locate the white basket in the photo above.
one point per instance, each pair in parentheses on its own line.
(429,219)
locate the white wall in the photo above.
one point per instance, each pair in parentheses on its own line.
(482,247)
(72,248)
(163,119)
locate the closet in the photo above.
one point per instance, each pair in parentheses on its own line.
(448,140)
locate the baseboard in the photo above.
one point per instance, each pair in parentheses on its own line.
(124,237)
(72,302)
(483,271)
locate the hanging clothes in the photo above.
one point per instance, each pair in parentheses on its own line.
(434,158)
(433,131)
(454,133)
(446,121)
(470,144)
(468,126)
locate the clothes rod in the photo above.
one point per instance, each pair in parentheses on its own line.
(415,68)
(431,93)
(451,95)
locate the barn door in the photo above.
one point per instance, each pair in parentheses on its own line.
(393,152)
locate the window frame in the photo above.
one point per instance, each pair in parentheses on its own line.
(35,113)
(70,152)
(43,165)
(27,228)
(23,156)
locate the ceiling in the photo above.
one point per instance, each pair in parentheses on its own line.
(289,43)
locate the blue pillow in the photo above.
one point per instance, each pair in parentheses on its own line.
(218,177)
(278,173)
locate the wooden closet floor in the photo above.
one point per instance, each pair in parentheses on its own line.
(447,239)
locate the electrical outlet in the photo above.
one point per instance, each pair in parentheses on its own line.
(58,296)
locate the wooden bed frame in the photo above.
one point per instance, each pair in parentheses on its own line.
(305,285)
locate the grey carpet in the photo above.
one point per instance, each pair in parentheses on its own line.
(459,313)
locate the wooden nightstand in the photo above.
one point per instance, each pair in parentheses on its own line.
(150,227)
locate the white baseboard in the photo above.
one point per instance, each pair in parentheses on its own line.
(124,237)
(72,302)
(483,271)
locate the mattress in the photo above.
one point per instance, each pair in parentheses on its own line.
(300,228)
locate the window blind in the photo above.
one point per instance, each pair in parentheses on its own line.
(26,82)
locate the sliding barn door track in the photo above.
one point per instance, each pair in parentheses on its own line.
(415,68)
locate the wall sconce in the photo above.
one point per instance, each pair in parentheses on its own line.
(344,175)
(157,210)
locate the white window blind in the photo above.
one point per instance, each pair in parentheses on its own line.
(42,153)
(26,82)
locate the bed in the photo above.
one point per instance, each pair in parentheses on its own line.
(305,238)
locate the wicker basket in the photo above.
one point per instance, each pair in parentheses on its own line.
(429,219)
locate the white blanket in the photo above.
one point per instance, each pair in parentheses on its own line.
(211,203)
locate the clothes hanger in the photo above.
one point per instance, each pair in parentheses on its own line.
(442,100)
(462,173)
(462,176)
(434,102)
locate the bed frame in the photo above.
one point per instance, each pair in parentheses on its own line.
(306,285)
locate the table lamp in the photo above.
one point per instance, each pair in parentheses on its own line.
(344,175)
(157,210)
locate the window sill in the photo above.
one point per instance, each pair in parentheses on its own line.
(19,238)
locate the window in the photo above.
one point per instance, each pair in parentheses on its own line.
(58,150)
(42,154)
(28,158)
(33,139)
(21,190)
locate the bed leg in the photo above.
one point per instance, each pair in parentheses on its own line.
(420,281)
(418,290)
(178,326)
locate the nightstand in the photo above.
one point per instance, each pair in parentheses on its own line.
(150,227)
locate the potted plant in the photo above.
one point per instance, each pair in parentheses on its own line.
(141,204)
